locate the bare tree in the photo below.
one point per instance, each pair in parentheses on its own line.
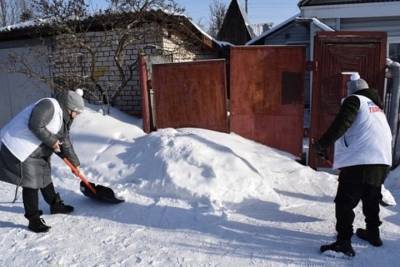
(78,38)
(217,14)
(14,11)
(26,11)
(3,12)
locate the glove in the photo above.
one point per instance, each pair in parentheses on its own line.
(320,150)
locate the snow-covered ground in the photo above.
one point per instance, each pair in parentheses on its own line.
(193,198)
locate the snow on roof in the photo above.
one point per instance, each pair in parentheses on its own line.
(41,22)
(246,20)
(21,25)
(296,17)
(273,29)
(202,31)
(318,23)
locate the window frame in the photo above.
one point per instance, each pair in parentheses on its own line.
(393,41)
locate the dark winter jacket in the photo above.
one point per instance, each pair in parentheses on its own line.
(369,174)
(35,171)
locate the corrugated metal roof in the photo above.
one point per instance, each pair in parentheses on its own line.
(338,2)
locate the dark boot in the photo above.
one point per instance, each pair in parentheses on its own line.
(38,225)
(341,246)
(372,236)
(58,206)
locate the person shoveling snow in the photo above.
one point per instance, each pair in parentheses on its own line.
(27,143)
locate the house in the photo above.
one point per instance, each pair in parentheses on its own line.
(56,56)
(340,36)
(351,15)
(335,15)
(235,28)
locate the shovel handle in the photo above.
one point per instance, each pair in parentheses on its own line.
(79,175)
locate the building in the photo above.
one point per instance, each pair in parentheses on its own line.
(58,57)
(335,15)
(236,27)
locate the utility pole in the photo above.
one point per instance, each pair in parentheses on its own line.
(246,6)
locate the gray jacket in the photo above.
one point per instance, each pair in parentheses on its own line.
(35,171)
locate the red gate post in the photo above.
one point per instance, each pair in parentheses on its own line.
(143,78)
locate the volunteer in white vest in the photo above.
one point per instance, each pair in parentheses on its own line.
(27,143)
(362,139)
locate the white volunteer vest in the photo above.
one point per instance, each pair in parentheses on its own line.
(367,141)
(17,137)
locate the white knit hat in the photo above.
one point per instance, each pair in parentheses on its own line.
(356,83)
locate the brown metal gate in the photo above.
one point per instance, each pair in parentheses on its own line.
(335,53)
(191,94)
(267,95)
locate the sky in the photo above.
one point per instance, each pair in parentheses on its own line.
(275,11)
(260,11)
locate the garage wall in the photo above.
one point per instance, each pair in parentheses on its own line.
(17,90)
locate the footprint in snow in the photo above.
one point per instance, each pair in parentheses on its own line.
(111,165)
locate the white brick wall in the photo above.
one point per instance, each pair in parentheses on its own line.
(66,58)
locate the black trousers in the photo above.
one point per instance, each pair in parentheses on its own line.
(30,197)
(347,198)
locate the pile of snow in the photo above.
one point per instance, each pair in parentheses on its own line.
(199,166)
(393,179)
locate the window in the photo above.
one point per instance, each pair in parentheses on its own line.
(394,52)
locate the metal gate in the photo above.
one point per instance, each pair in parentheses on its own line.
(267,95)
(191,94)
(335,53)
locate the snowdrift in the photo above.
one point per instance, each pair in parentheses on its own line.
(199,166)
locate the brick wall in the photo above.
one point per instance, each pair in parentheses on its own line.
(66,58)
(183,50)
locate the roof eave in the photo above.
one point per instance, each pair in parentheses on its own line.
(273,29)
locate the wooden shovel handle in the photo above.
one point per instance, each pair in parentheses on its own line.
(79,175)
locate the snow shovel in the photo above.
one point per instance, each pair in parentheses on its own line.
(91,190)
